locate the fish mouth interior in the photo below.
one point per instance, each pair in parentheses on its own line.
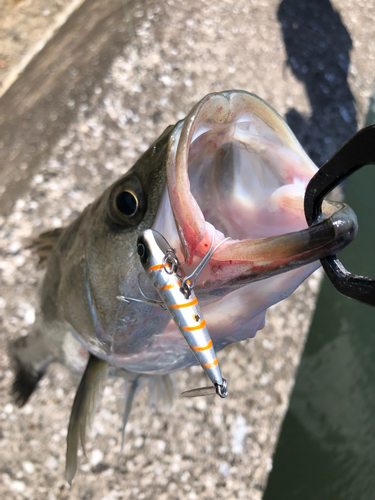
(241,190)
(235,170)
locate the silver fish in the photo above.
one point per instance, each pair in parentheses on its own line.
(232,168)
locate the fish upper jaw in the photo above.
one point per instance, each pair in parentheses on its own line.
(234,168)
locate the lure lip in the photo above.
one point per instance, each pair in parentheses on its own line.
(220,390)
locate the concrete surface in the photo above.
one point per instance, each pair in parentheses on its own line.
(57,152)
(26,26)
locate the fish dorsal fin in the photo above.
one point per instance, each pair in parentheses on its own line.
(89,393)
(43,245)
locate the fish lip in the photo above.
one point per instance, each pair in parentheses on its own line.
(215,110)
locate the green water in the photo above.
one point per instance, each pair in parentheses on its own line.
(326,449)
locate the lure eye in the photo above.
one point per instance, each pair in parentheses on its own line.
(141,250)
(127,203)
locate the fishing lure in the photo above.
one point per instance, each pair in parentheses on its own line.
(177,296)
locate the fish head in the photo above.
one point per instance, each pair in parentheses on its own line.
(100,259)
(232,168)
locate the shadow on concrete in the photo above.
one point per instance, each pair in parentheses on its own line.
(318,46)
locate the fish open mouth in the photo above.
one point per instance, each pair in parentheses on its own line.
(236,170)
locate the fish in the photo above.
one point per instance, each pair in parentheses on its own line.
(233,169)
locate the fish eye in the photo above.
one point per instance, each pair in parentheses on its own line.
(141,250)
(127,203)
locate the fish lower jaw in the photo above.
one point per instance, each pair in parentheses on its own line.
(238,262)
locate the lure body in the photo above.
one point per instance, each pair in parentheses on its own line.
(184,310)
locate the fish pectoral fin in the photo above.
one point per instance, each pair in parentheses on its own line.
(87,398)
(44,244)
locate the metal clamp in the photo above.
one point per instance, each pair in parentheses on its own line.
(357,152)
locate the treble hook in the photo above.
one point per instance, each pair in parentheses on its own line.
(148,301)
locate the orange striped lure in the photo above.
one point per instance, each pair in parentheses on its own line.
(161,266)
